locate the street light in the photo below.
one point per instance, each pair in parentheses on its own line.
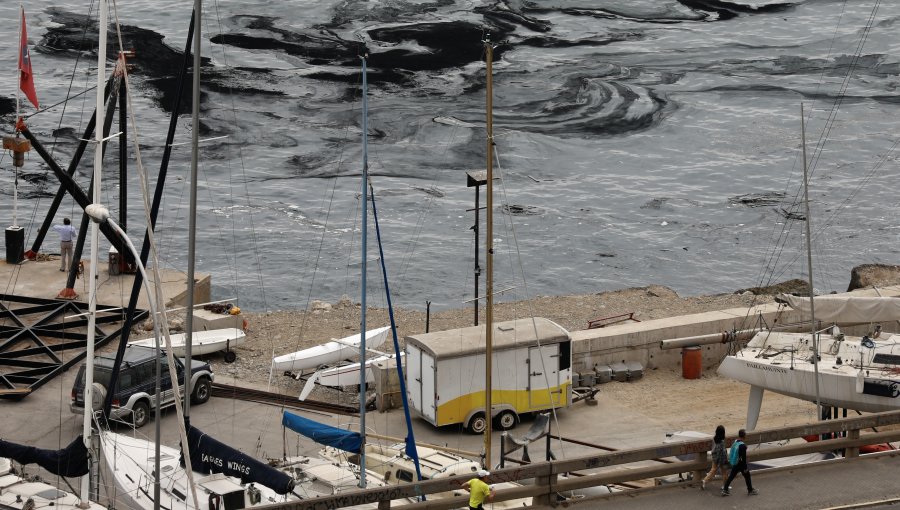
(100,214)
(476,179)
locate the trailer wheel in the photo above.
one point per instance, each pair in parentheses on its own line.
(506,420)
(477,424)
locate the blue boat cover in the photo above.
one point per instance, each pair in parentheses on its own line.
(69,462)
(323,434)
(211,456)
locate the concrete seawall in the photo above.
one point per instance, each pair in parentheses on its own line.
(640,341)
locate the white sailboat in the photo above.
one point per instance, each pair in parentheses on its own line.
(329,352)
(853,372)
(21,493)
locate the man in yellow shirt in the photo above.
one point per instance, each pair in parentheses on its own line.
(479,490)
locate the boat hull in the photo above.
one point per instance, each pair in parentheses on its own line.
(329,352)
(840,384)
(131,462)
(202,342)
(348,375)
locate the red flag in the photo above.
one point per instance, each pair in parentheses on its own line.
(26,80)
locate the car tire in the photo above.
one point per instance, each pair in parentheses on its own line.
(506,420)
(477,424)
(140,414)
(202,391)
(230,356)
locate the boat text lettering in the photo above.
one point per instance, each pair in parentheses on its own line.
(768,368)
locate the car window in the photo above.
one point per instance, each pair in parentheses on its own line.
(147,372)
(102,375)
(126,379)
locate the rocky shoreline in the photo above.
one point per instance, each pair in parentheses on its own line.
(710,399)
(275,333)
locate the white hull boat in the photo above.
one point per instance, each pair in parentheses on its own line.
(343,375)
(329,352)
(131,462)
(853,372)
(202,342)
(394,467)
(317,477)
(347,375)
(18,493)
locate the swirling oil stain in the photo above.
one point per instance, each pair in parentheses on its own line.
(521,210)
(660,203)
(763,199)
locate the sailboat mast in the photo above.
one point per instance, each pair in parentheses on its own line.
(364,213)
(95,256)
(192,222)
(812,301)
(489,266)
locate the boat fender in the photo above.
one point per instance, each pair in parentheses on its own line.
(860,381)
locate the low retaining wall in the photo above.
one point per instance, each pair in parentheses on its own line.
(640,341)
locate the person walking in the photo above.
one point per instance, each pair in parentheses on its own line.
(67,235)
(719,457)
(738,459)
(479,490)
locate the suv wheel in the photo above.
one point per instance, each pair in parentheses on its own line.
(202,391)
(140,414)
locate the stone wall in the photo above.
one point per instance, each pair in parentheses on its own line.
(641,341)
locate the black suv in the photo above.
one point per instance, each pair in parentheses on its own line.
(134,397)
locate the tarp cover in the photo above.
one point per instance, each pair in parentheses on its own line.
(69,462)
(211,456)
(323,434)
(848,309)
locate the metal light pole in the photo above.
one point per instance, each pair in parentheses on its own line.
(476,179)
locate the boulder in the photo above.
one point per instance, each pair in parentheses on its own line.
(318,306)
(796,286)
(868,275)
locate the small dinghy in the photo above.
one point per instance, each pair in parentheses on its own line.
(203,342)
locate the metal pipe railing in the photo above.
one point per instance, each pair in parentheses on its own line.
(545,474)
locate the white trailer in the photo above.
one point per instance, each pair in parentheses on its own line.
(531,371)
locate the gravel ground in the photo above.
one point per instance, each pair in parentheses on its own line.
(288,331)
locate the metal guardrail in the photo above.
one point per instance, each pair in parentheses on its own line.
(603,466)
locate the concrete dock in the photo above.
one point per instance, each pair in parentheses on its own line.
(43,279)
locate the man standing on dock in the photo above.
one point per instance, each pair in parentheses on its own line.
(67,235)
